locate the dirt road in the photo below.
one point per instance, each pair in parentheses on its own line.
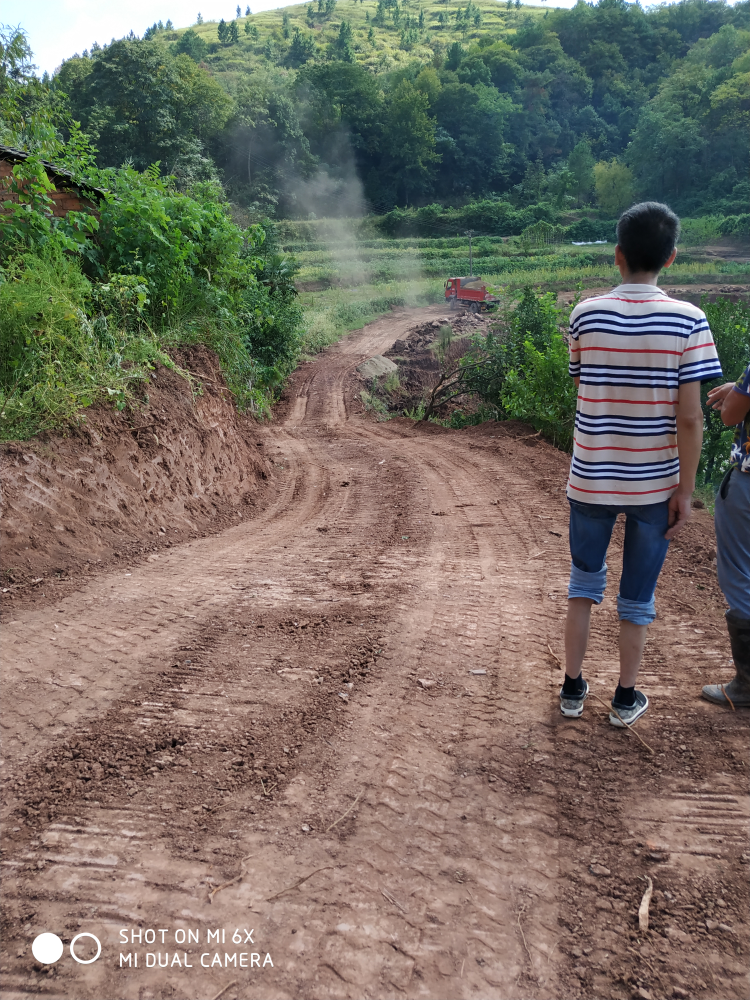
(330,734)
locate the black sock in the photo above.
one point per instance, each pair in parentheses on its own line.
(573,687)
(625,696)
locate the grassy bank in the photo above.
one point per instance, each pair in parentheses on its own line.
(331,313)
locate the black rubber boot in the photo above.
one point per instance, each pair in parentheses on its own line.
(737,692)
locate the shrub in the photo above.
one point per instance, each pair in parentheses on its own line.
(54,359)
(730,325)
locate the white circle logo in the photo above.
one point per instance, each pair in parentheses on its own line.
(47,948)
(86,961)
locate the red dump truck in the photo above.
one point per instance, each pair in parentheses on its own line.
(470,292)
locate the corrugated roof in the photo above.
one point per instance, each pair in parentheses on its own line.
(13,155)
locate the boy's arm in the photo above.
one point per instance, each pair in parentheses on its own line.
(689,441)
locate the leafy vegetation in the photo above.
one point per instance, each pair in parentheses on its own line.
(404,126)
(304,109)
(90,302)
(520,370)
(730,325)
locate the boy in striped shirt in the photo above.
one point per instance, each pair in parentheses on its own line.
(638,358)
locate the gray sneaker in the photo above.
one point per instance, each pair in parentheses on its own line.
(572,708)
(629,714)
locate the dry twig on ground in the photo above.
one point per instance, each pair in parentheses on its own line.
(643,908)
(232,880)
(626,724)
(336,822)
(290,887)
(223,990)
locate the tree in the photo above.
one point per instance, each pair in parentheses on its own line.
(251,30)
(409,156)
(342,47)
(285,30)
(248,12)
(15,56)
(455,55)
(561,184)
(301,49)
(199,18)
(471,140)
(223,32)
(664,151)
(234,33)
(191,43)
(614,186)
(581,165)
(143,104)
(239,11)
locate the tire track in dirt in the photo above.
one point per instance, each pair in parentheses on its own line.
(366,692)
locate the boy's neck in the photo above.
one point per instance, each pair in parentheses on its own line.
(639,277)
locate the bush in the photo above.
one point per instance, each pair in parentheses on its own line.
(521,367)
(84,318)
(730,325)
(589,230)
(54,359)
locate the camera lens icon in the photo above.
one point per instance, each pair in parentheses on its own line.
(86,961)
(47,948)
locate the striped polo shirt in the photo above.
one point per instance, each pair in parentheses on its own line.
(632,348)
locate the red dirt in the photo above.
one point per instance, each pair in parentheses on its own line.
(125,484)
(178,726)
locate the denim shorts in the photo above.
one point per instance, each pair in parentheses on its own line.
(643,556)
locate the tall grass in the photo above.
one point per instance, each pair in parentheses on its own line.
(331,313)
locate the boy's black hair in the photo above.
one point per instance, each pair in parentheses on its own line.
(647,234)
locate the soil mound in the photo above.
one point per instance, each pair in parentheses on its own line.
(125,484)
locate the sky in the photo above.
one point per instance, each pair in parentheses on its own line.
(57,29)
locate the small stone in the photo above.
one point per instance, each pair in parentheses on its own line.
(643,993)
(726,929)
(305,828)
(603,904)
(599,870)
(426,683)
(711,925)
(698,504)
(677,991)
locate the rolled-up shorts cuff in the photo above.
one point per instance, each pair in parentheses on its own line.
(637,612)
(589,585)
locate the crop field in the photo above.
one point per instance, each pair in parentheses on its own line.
(345,284)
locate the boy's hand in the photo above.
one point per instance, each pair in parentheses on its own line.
(717,396)
(679,512)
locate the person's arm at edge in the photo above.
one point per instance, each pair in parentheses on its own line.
(689,441)
(735,407)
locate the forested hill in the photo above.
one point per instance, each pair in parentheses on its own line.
(434,101)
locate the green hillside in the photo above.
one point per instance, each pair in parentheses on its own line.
(338,107)
(391,45)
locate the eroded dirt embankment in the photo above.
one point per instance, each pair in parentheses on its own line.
(125,484)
